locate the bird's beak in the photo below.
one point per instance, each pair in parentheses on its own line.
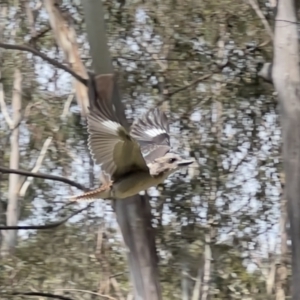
(185,162)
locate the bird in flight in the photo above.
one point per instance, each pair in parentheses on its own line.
(132,159)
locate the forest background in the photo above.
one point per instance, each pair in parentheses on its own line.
(220,226)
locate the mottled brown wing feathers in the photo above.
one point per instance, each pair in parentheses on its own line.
(110,144)
(152,133)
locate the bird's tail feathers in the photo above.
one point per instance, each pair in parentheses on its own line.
(102,192)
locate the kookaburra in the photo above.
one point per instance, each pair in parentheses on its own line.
(132,159)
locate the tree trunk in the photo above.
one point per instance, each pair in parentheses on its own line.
(282,270)
(286,79)
(3,15)
(134,213)
(12,214)
(65,36)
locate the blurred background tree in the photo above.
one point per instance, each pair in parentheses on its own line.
(220,226)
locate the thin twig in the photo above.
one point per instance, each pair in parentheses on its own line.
(88,292)
(47,226)
(117,274)
(40,295)
(44,57)
(188,85)
(44,176)
(154,58)
(38,35)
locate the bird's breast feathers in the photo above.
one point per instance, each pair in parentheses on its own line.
(135,183)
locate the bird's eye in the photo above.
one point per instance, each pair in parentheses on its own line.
(171,160)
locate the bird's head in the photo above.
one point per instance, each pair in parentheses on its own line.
(168,163)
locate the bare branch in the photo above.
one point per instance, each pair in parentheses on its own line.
(38,35)
(53,296)
(44,176)
(154,58)
(67,106)
(88,292)
(255,6)
(44,57)
(47,226)
(26,183)
(188,85)
(117,274)
(65,37)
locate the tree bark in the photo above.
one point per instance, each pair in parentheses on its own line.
(286,79)
(207,266)
(185,282)
(134,213)
(12,214)
(3,14)
(65,36)
(282,269)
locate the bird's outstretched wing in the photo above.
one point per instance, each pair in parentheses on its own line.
(110,143)
(152,133)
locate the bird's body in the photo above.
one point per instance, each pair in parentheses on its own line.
(136,182)
(132,159)
(125,187)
